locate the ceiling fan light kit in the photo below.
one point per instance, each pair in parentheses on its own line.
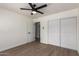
(34,12)
(35,9)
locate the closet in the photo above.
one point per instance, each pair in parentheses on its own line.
(63,32)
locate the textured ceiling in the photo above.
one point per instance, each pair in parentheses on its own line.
(50,9)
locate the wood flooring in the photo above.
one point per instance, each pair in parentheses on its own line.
(38,49)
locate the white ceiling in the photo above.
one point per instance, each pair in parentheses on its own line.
(50,9)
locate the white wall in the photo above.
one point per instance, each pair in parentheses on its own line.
(78,32)
(44,21)
(14,29)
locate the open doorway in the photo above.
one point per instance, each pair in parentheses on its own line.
(37,31)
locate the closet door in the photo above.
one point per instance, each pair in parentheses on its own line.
(68,33)
(53,30)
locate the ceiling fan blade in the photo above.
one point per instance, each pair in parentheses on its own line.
(31,5)
(42,6)
(40,12)
(25,9)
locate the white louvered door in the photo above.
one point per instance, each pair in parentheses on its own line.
(68,32)
(63,32)
(53,32)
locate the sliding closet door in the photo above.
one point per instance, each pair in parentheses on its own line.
(53,32)
(68,33)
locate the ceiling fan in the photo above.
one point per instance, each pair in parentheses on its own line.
(35,9)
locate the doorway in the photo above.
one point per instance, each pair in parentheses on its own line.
(37,31)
